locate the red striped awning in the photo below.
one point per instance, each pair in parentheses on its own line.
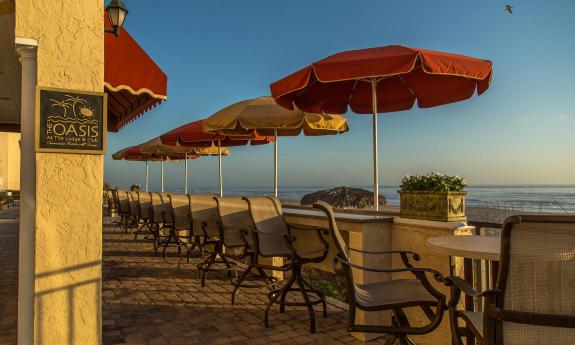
(133,81)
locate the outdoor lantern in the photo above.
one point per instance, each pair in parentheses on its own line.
(117,13)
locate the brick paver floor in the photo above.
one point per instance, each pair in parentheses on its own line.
(148,300)
(8,276)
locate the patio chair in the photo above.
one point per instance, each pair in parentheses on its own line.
(176,220)
(116,203)
(234,222)
(393,295)
(160,204)
(274,239)
(134,206)
(206,235)
(109,205)
(144,212)
(124,208)
(533,301)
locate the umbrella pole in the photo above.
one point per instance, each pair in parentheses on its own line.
(147,176)
(186,173)
(162,175)
(220,168)
(276,162)
(375,155)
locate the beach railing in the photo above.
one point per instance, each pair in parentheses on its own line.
(496,210)
(484,272)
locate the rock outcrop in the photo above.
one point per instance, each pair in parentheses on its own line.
(343,197)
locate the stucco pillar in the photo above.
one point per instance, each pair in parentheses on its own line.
(61,229)
(27,59)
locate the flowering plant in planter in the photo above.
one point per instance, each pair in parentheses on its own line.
(433,182)
(433,196)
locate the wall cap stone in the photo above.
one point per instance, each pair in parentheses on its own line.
(432,224)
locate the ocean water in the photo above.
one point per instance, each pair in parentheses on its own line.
(556,199)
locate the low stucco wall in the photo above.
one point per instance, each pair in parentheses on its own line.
(411,234)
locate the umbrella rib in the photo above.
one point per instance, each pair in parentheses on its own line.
(352,92)
(408,86)
(303,90)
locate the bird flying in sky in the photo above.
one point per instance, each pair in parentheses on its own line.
(509,8)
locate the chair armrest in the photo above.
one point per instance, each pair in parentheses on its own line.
(415,255)
(297,227)
(463,286)
(204,226)
(416,270)
(403,253)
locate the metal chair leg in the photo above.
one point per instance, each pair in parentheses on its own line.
(309,306)
(239,282)
(285,291)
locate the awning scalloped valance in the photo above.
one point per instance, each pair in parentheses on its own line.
(133,81)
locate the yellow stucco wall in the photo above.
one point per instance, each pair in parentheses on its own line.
(68,251)
(9,161)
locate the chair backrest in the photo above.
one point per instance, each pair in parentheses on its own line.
(180,210)
(134,204)
(234,215)
(112,199)
(108,199)
(267,217)
(123,201)
(537,275)
(115,196)
(204,211)
(160,207)
(145,203)
(333,229)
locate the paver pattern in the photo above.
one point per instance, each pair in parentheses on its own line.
(149,300)
(8,277)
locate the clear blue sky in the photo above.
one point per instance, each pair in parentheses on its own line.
(521,131)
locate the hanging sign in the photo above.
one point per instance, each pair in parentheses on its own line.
(70,121)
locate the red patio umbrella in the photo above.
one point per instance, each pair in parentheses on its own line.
(192,135)
(135,153)
(381,80)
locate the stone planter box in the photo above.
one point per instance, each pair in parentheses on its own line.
(439,206)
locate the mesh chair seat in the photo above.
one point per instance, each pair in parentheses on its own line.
(400,291)
(474,319)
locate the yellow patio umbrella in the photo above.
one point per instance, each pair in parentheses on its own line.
(155,146)
(265,116)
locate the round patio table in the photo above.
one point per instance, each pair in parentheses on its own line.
(471,247)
